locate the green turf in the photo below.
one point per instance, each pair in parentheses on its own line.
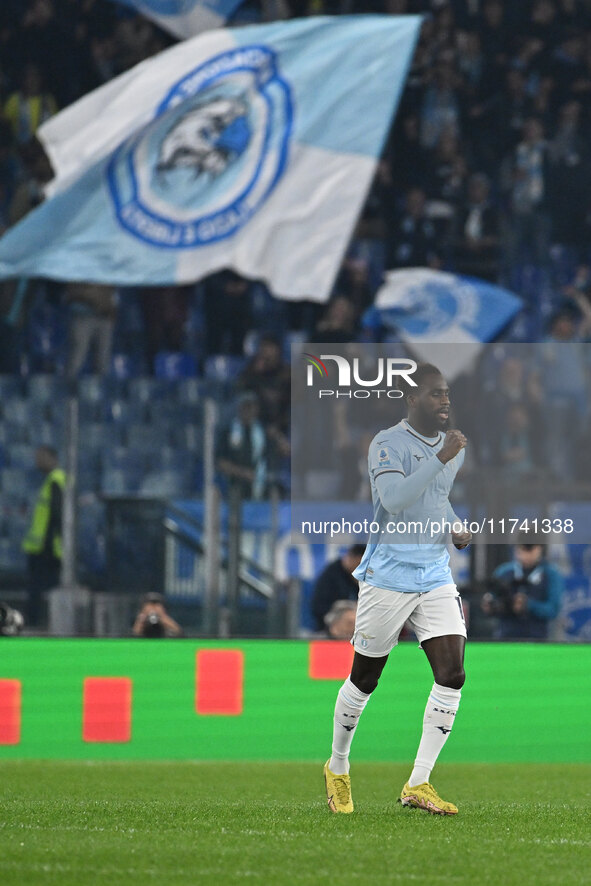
(182,823)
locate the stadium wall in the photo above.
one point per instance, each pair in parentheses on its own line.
(273,700)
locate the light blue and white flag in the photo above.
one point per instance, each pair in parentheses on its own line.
(251,148)
(185,18)
(427,308)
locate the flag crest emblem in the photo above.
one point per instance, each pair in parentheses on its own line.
(214,151)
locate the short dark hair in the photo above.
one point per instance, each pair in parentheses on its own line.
(423,371)
(153,597)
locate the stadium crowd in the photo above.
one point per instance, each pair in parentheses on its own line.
(486,172)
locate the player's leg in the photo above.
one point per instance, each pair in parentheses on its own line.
(439,624)
(351,700)
(380,617)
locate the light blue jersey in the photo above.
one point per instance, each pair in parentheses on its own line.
(410,489)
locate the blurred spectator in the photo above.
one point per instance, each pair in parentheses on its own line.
(11,171)
(165,310)
(525,595)
(242,450)
(446,182)
(569,179)
(476,248)
(30,193)
(268,377)
(515,443)
(153,620)
(514,387)
(340,620)
(43,542)
(227,313)
(440,111)
(335,582)
(494,32)
(407,154)
(353,282)
(30,106)
(93,309)
(530,221)
(338,325)
(413,240)
(496,119)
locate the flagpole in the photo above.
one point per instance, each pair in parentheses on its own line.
(211,600)
(68,574)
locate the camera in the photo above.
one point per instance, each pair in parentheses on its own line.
(153,626)
(11,621)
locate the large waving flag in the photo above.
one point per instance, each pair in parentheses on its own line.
(185,18)
(428,308)
(251,148)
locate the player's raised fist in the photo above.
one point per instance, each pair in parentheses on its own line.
(454,441)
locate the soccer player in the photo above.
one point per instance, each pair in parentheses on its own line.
(412,467)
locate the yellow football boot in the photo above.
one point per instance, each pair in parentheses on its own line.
(424,796)
(338,791)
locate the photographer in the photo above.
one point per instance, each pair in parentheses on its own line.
(525,595)
(153,620)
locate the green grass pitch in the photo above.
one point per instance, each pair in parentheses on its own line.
(67,823)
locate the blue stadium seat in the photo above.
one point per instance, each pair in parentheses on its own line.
(14,433)
(10,386)
(122,458)
(91,536)
(91,388)
(22,455)
(148,390)
(222,368)
(188,437)
(47,334)
(19,411)
(89,458)
(17,483)
(123,366)
(173,413)
(55,413)
(89,478)
(45,388)
(115,481)
(45,433)
(174,365)
(125,411)
(89,411)
(147,438)
(99,435)
(12,558)
(164,484)
(191,390)
(170,459)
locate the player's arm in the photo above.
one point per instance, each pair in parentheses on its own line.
(462,538)
(397,491)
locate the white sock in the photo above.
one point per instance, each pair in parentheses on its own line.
(439,718)
(349,707)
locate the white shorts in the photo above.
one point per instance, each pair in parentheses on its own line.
(381,615)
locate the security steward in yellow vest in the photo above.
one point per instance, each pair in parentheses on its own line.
(43,541)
